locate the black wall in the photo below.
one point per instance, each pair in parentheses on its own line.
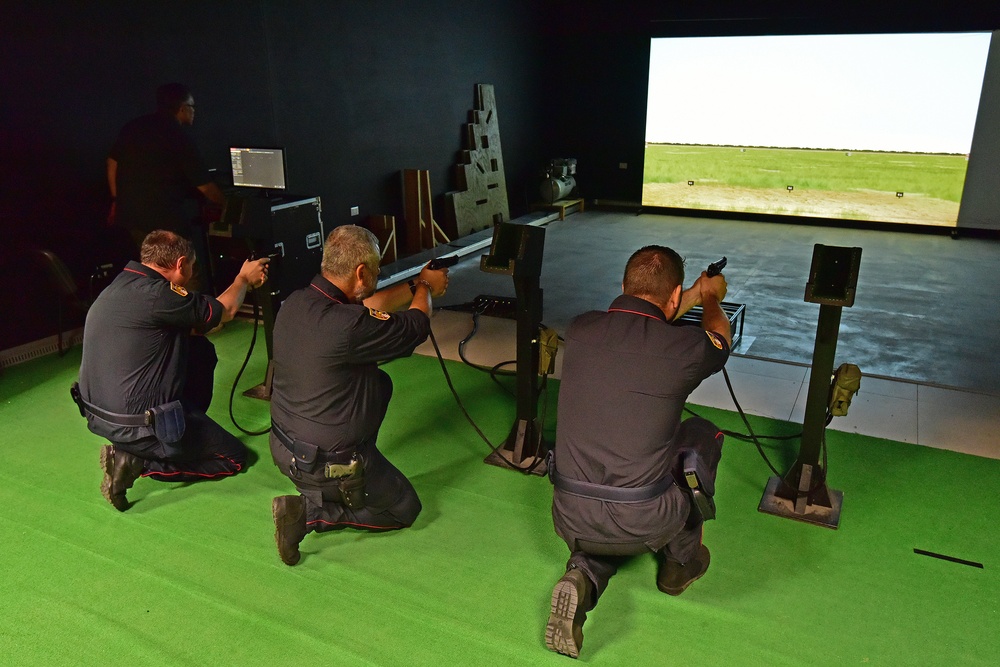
(354,90)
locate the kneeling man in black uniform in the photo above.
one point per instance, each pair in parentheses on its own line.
(621,449)
(147,370)
(329,397)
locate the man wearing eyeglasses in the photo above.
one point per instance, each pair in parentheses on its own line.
(156,173)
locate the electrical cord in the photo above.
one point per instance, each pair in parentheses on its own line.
(239,374)
(495,370)
(494,448)
(753,437)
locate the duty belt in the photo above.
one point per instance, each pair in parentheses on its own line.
(613,494)
(144,419)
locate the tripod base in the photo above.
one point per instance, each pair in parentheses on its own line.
(820,515)
(504,458)
(263,390)
(524,450)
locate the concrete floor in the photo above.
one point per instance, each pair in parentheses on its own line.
(925,309)
(923,328)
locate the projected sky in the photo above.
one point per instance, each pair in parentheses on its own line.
(915,93)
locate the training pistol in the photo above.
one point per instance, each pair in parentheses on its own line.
(715,268)
(439,263)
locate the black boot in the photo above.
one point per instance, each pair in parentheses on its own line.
(121,469)
(673,578)
(289,526)
(570,600)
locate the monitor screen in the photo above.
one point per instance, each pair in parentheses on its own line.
(258,167)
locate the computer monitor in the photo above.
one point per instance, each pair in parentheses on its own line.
(258,167)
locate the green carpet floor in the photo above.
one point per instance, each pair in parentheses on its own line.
(190,575)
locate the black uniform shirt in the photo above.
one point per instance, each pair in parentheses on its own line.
(135,340)
(327,387)
(626,375)
(159,166)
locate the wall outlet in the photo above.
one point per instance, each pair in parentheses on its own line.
(623,165)
(354,210)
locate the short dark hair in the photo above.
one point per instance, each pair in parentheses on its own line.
(653,271)
(171,96)
(162,248)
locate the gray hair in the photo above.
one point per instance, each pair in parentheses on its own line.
(162,248)
(348,246)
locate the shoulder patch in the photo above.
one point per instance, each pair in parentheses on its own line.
(378,314)
(714,337)
(180,290)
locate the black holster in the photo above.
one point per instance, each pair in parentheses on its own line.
(699,486)
(166,421)
(306,459)
(350,481)
(305,456)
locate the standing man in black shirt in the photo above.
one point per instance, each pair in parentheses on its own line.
(620,443)
(136,388)
(329,397)
(155,172)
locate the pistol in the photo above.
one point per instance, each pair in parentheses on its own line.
(439,263)
(715,268)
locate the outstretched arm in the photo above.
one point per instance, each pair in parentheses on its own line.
(430,283)
(253,273)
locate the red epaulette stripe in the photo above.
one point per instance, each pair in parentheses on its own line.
(634,312)
(325,294)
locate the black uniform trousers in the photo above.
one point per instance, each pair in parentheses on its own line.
(391,502)
(206,450)
(696,434)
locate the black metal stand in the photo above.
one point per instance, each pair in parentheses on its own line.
(263,390)
(802,493)
(517,251)
(269,309)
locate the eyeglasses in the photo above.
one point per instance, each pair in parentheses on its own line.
(190,106)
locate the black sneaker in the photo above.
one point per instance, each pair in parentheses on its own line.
(289,526)
(564,631)
(673,578)
(121,469)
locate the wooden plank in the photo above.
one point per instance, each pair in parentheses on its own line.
(384,228)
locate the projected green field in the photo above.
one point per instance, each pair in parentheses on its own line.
(855,185)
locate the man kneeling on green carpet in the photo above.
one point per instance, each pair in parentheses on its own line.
(621,449)
(329,397)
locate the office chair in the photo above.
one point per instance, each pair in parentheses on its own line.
(65,286)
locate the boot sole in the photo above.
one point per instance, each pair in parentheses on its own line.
(276,510)
(108,466)
(559,635)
